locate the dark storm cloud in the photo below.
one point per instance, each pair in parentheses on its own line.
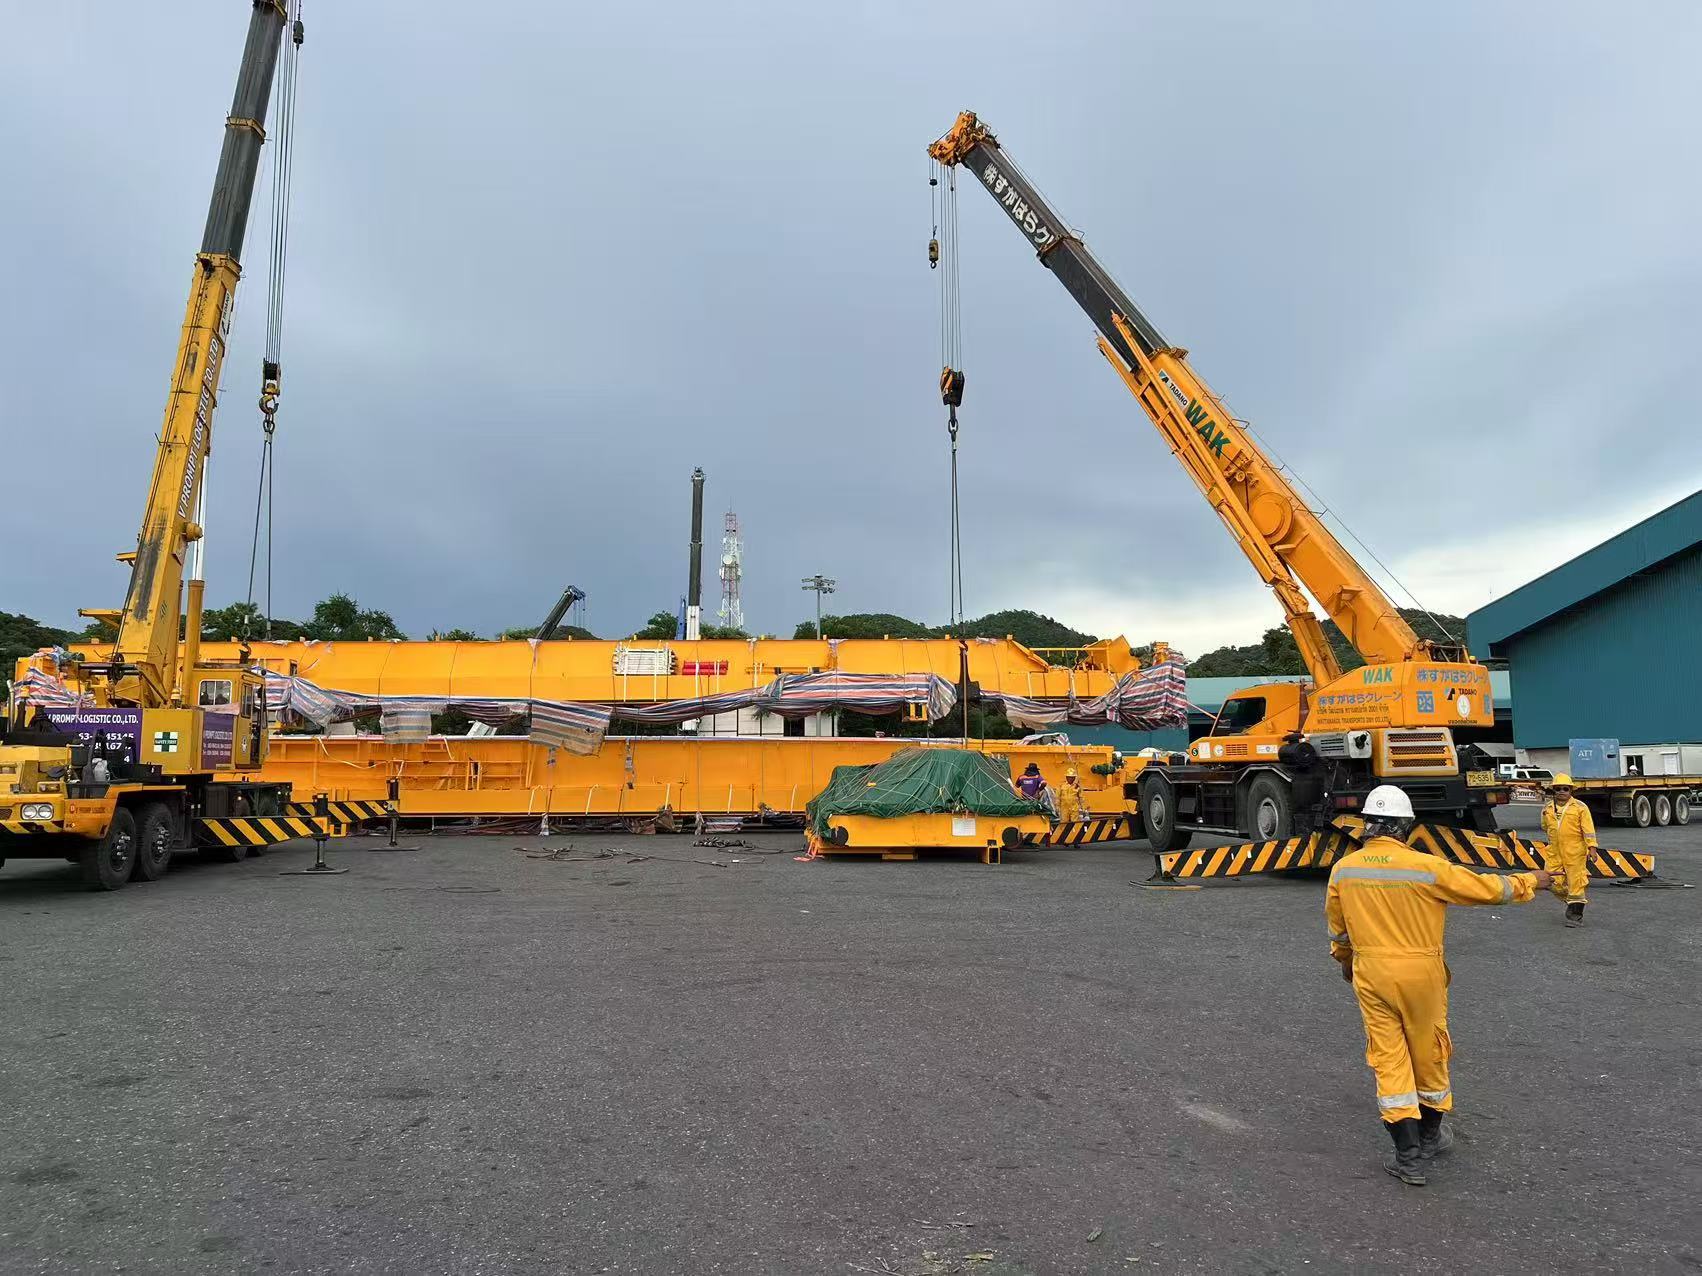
(547,258)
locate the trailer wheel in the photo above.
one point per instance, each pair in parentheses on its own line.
(1663,809)
(1642,811)
(107,864)
(1681,809)
(1156,802)
(153,844)
(1270,810)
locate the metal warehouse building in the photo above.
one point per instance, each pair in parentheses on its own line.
(1609,646)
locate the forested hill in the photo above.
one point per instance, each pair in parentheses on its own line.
(1029,628)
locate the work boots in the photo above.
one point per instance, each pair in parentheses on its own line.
(1433,1136)
(1405,1163)
(1574,914)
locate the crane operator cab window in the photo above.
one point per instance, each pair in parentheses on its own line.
(215,693)
(1239,715)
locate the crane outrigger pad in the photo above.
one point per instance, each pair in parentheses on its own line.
(1321,849)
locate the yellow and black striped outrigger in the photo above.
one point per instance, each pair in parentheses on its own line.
(347,814)
(263,830)
(1321,849)
(1113,828)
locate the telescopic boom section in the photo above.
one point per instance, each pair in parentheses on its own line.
(146,650)
(1284,540)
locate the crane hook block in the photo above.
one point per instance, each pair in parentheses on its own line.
(951,387)
(933,253)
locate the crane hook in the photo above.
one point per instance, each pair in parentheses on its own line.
(933,254)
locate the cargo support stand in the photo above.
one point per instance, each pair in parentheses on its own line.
(393,800)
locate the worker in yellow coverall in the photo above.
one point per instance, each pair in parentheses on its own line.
(1070,803)
(1571,837)
(1386,908)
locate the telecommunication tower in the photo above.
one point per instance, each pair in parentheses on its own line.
(732,613)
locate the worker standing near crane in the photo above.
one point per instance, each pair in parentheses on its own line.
(1071,805)
(1571,837)
(1386,909)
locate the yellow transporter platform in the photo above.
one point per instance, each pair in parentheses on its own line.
(632,777)
(903,837)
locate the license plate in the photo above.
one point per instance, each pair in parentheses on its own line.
(1480,779)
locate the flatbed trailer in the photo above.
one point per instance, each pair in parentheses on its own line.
(1641,800)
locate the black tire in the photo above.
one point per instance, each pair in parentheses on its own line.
(1156,802)
(1663,810)
(1680,810)
(108,863)
(1270,810)
(155,841)
(1642,811)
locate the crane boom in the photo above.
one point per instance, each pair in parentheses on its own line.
(1285,540)
(145,654)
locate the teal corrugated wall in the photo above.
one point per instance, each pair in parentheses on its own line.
(1627,664)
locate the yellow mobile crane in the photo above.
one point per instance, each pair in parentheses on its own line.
(110,762)
(1390,722)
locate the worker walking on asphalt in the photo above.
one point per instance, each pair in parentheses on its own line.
(1386,908)
(1070,803)
(1571,837)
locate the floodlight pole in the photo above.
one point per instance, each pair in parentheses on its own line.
(820,585)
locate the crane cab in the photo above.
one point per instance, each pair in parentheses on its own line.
(1251,724)
(230,700)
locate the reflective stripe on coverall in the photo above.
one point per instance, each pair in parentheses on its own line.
(1386,909)
(1571,837)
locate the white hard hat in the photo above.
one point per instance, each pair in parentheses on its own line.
(1387,802)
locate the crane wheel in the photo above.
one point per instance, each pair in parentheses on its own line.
(1270,810)
(154,841)
(108,863)
(1156,805)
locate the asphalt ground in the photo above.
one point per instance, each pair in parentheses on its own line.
(643,1056)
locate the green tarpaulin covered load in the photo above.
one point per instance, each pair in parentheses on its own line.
(919,782)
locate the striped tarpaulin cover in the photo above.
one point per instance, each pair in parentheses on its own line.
(578,728)
(46,690)
(557,723)
(1145,700)
(797,695)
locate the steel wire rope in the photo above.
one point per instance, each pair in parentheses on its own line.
(283,155)
(1323,508)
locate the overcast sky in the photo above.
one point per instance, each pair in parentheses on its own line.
(546,258)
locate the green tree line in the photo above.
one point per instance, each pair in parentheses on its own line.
(1278,653)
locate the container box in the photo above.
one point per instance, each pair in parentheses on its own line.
(1594,759)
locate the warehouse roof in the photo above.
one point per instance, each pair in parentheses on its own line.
(1661,536)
